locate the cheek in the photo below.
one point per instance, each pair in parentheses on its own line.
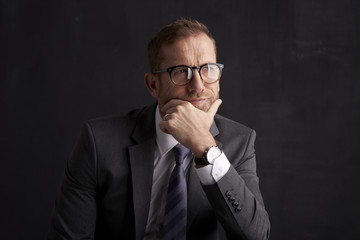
(215,89)
(168,91)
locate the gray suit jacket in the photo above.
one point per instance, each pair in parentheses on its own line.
(106,190)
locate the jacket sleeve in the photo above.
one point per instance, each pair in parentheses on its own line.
(74,215)
(236,197)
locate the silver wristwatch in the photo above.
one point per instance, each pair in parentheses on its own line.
(209,156)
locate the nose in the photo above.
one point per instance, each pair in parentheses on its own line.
(196,84)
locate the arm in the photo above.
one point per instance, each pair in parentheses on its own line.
(191,127)
(74,215)
(236,198)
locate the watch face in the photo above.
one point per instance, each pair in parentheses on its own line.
(212,154)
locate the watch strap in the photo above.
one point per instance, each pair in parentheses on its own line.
(203,161)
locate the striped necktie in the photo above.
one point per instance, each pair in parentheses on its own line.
(174,226)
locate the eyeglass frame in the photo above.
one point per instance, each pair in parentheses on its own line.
(170,69)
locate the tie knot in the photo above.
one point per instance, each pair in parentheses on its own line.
(180,152)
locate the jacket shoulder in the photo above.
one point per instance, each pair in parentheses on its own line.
(228,126)
(138,123)
(112,121)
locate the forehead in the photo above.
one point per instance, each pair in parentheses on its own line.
(192,50)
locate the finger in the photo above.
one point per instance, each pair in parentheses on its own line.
(163,127)
(214,107)
(171,104)
(167,117)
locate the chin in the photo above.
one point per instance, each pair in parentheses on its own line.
(203,108)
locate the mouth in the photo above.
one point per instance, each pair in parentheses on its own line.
(197,101)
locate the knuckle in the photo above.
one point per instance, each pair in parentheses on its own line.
(170,125)
(188,104)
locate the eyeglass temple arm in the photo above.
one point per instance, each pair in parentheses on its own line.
(160,71)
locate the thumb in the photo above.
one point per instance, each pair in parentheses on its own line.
(214,107)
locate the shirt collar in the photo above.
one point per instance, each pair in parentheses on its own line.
(164,141)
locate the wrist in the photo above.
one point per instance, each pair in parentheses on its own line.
(209,157)
(203,144)
(201,150)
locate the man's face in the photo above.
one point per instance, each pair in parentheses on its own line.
(192,51)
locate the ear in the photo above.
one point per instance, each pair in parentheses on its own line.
(151,82)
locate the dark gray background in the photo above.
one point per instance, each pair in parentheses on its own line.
(291,73)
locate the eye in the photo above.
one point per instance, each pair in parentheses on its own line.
(210,72)
(210,68)
(180,71)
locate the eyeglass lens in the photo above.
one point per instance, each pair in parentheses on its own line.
(182,75)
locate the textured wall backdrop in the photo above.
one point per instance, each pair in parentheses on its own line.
(291,73)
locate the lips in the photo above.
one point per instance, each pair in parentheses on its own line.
(196,101)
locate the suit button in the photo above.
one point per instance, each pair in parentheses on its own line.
(231,199)
(228,194)
(235,204)
(237,209)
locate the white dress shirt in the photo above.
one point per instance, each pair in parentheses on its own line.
(164,163)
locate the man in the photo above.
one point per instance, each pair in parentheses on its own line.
(117,181)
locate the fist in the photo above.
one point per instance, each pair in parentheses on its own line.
(189,125)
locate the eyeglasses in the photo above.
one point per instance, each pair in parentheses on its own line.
(181,75)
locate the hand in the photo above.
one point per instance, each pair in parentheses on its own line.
(189,125)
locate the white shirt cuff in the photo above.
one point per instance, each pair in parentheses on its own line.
(211,174)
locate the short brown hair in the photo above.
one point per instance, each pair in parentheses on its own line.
(172,32)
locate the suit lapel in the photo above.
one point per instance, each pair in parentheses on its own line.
(141,157)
